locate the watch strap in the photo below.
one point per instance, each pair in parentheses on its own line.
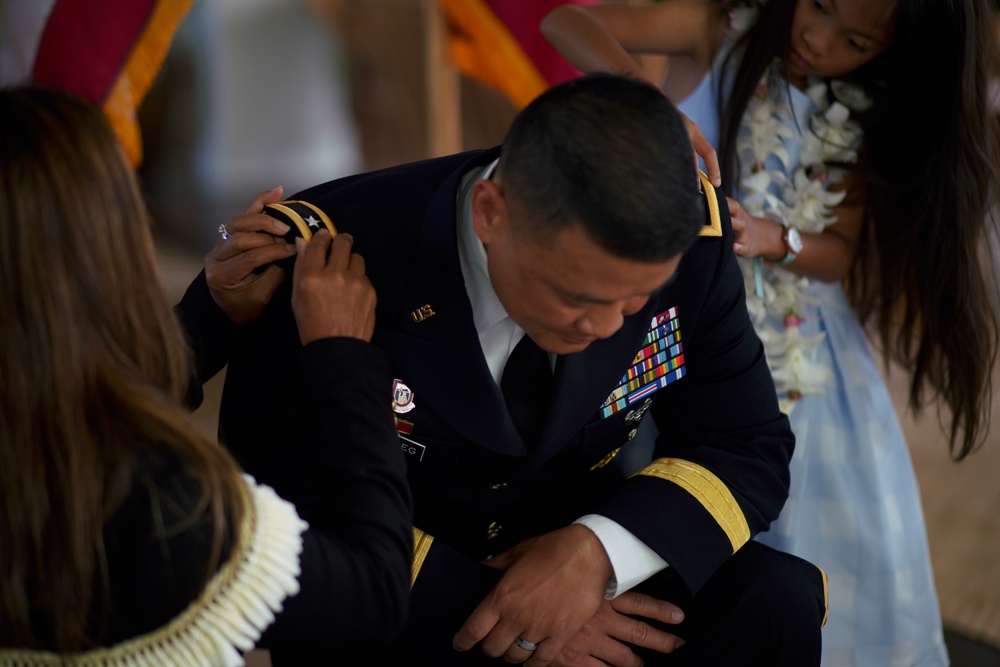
(787,259)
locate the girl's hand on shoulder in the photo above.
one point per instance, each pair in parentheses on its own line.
(704,148)
(754,236)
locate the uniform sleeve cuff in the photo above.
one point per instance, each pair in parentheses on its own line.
(631,560)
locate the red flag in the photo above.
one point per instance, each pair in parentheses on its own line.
(498,42)
(108,51)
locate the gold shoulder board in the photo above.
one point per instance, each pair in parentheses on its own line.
(714,226)
(301,216)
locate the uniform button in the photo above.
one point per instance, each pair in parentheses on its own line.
(493,530)
(631,434)
(497,486)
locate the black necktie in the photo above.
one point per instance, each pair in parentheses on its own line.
(526,381)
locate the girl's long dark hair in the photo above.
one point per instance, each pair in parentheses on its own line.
(93,369)
(923,282)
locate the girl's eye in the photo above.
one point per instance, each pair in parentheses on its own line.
(818,5)
(856,46)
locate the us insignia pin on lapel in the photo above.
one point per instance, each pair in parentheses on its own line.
(657,364)
(402,398)
(422,313)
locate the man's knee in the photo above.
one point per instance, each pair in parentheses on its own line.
(761,607)
(788,589)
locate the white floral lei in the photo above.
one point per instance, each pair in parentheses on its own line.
(803,202)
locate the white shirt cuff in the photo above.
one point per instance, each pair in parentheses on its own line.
(632,561)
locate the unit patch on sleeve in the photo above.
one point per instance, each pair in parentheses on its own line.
(658,363)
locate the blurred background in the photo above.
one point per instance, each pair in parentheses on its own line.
(258,93)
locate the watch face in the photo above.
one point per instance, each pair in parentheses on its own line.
(794,240)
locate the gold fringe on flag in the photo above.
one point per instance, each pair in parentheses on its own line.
(484,49)
(141,67)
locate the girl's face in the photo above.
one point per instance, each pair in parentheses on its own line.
(831,38)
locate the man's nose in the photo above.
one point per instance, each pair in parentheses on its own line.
(602,322)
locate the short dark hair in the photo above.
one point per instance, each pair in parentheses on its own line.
(611,154)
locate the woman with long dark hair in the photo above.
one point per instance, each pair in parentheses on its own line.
(129,535)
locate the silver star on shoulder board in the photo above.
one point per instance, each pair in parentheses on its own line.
(313,222)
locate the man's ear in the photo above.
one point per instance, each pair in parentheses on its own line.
(489,210)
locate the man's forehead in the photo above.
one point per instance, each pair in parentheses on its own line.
(598,276)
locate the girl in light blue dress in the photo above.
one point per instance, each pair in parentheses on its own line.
(861,161)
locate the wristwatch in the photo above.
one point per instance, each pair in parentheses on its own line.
(793,244)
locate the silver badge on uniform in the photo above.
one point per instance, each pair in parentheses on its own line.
(402,398)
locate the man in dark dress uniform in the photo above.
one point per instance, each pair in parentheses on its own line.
(536,301)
